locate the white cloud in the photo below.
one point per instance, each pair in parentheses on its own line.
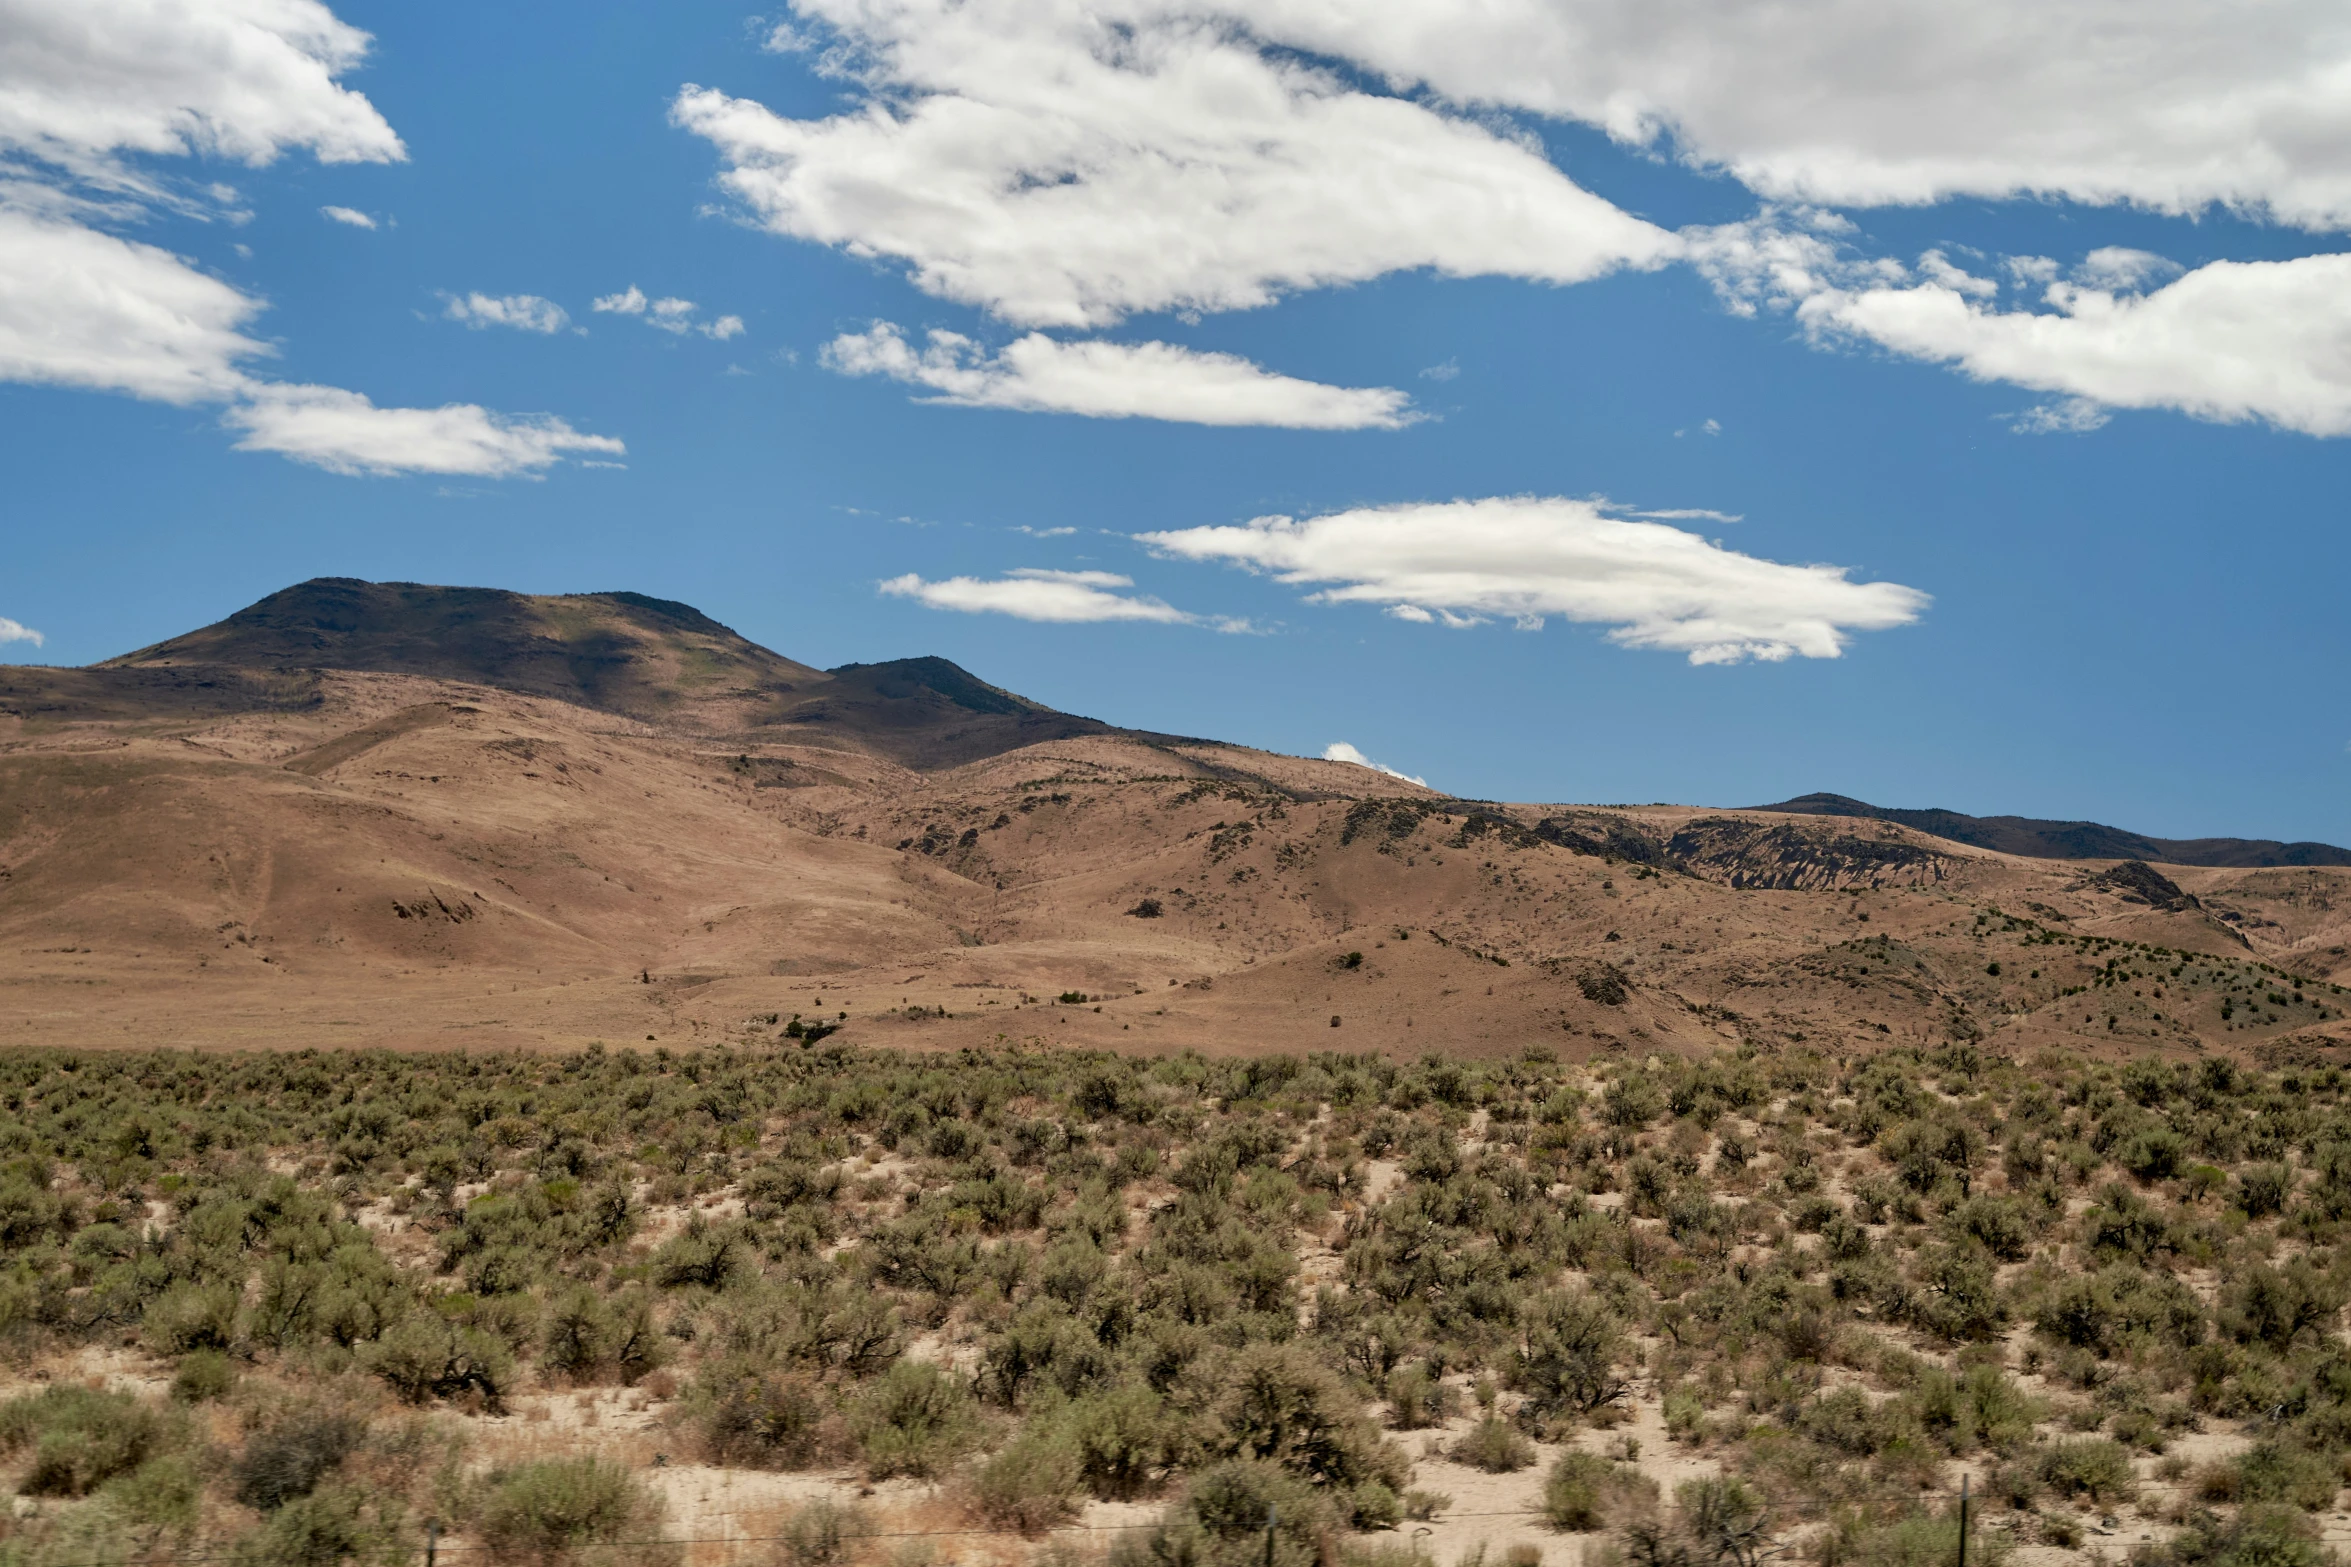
(351,216)
(345,433)
(85,85)
(1447,371)
(1341,751)
(1066,163)
(1102,380)
(82,308)
(1527,557)
(524,312)
(83,82)
(2170,104)
(2230,341)
(16,631)
(1060,597)
(672,315)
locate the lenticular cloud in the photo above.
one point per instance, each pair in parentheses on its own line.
(1523,558)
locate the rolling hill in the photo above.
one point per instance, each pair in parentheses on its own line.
(387,814)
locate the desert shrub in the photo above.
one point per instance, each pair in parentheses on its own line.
(1716,1522)
(2261,1535)
(1567,1358)
(1416,1399)
(1123,1438)
(203,1375)
(2274,1472)
(1583,1492)
(1999,1224)
(818,1534)
(290,1458)
(2262,1189)
(1495,1446)
(426,1357)
(1223,1519)
(1915,1539)
(2104,1310)
(332,1526)
(2091,1467)
(1031,1482)
(1282,1407)
(556,1509)
(749,1415)
(914,1419)
(191,1317)
(81,1437)
(2275,1306)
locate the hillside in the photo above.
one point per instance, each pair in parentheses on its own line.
(551,821)
(2073,840)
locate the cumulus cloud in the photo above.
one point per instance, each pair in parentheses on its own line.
(17,631)
(2229,341)
(2169,104)
(672,315)
(1058,597)
(524,312)
(83,308)
(83,82)
(87,86)
(1103,380)
(1341,751)
(343,432)
(1067,164)
(350,216)
(1523,558)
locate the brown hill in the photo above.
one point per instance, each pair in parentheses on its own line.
(550,821)
(2073,840)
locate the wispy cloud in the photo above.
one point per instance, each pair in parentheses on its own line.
(344,432)
(1522,558)
(351,217)
(1054,597)
(17,631)
(1039,374)
(524,312)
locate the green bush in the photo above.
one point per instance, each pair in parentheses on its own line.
(2258,1535)
(555,1509)
(332,1526)
(1583,1492)
(1124,1439)
(426,1357)
(819,1534)
(290,1458)
(192,1317)
(914,1419)
(751,1416)
(1915,1539)
(203,1375)
(1495,1446)
(1031,1482)
(2091,1467)
(81,1437)
(2273,1472)
(1416,1399)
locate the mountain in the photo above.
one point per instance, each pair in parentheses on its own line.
(364,814)
(645,658)
(2047,840)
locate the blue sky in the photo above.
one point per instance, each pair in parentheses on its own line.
(1834,325)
